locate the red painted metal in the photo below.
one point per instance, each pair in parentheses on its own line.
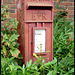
(31,15)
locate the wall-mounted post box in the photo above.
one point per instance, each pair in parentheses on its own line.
(35,28)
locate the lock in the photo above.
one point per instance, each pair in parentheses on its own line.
(31,42)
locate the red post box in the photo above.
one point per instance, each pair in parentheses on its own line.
(35,28)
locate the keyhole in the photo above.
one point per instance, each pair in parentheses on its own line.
(31,43)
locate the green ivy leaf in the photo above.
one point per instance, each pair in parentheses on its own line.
(2,10)
(15,52)
(6,6)
(20,56)
(4,50)
(5,37)
(13,37)
(35,55)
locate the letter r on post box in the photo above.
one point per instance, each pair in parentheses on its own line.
(44,16)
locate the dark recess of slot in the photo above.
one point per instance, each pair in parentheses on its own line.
(38,7)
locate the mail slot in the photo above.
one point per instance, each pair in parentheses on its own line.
(35,27)
(39,5)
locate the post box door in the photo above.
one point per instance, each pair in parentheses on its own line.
(40,34)
(38,17)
